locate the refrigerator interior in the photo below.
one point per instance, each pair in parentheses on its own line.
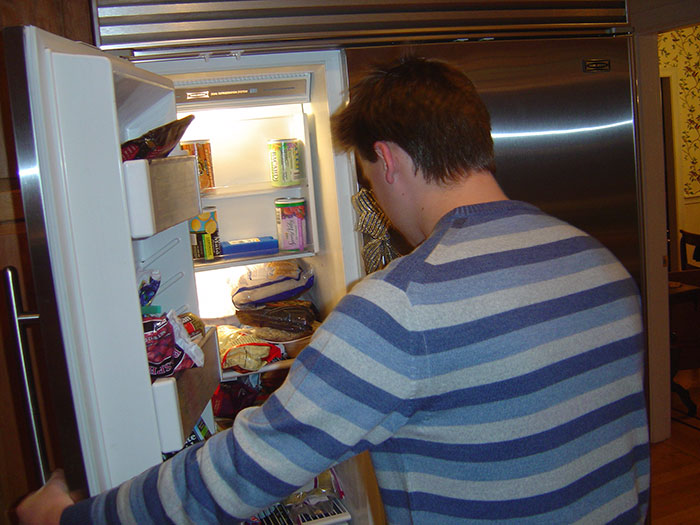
(238,129)
(263,98)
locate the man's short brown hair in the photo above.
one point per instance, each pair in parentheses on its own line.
(428,108)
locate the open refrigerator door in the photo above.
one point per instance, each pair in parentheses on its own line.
(72,110)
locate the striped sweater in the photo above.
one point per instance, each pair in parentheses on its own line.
(494,374)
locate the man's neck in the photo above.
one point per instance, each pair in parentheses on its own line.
(434,201)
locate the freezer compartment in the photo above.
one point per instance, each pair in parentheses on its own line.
(181,399)
(160,193)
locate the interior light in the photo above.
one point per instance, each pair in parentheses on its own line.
(214,290)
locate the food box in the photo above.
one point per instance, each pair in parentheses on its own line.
(250,247)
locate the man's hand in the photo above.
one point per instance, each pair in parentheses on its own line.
(44,507)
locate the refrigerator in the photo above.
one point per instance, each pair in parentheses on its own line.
(95,223)
(563,125)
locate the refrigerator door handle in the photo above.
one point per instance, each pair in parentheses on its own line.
(19,320)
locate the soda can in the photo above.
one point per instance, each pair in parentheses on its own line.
(285,162)
(204,235)
(276,161)
(201,149)
(290,214)
(292,161)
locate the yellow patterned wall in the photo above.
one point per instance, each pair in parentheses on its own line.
(679,51)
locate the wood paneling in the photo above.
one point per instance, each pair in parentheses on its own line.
(70,18)
(657,16)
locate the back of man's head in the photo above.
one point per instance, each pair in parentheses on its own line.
(428,108)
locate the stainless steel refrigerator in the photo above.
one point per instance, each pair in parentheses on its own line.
(563,126)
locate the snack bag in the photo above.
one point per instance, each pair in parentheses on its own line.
(168,346)
(149,282)
(294,315)
(232,397)
(192,323)
(243,352)
(158,142)
(272,281)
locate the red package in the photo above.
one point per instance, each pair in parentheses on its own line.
(165,357)
(192,323)
(230,398)
(158,142)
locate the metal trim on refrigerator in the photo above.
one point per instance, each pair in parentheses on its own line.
(321,24)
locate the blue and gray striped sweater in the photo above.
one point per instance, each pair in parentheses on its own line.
(495,373)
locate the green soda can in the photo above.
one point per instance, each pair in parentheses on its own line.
(285,162)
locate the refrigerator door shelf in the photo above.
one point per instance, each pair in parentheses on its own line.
(180,400)
(253,188)
(160,193)
(231,261)
(292,349)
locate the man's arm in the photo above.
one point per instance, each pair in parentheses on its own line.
(330,408)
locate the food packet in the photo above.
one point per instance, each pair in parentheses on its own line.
(324,486)
(149,282)
(158,142)
(294,315)
(272,281)
(243,352)
(232,397)
(168,346)
(192,323)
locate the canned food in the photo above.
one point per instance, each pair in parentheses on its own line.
(290,214)
(201,149)
(285,162)
(204,235)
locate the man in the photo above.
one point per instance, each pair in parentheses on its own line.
(494,373)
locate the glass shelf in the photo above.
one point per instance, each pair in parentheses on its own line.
(230,262)
(242,190)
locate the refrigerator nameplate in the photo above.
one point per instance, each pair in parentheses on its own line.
(265,91)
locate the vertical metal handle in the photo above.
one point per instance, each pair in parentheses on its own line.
(19,320)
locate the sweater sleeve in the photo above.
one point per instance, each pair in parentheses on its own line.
(342,395)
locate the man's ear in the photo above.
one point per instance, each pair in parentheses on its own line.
(386,157)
